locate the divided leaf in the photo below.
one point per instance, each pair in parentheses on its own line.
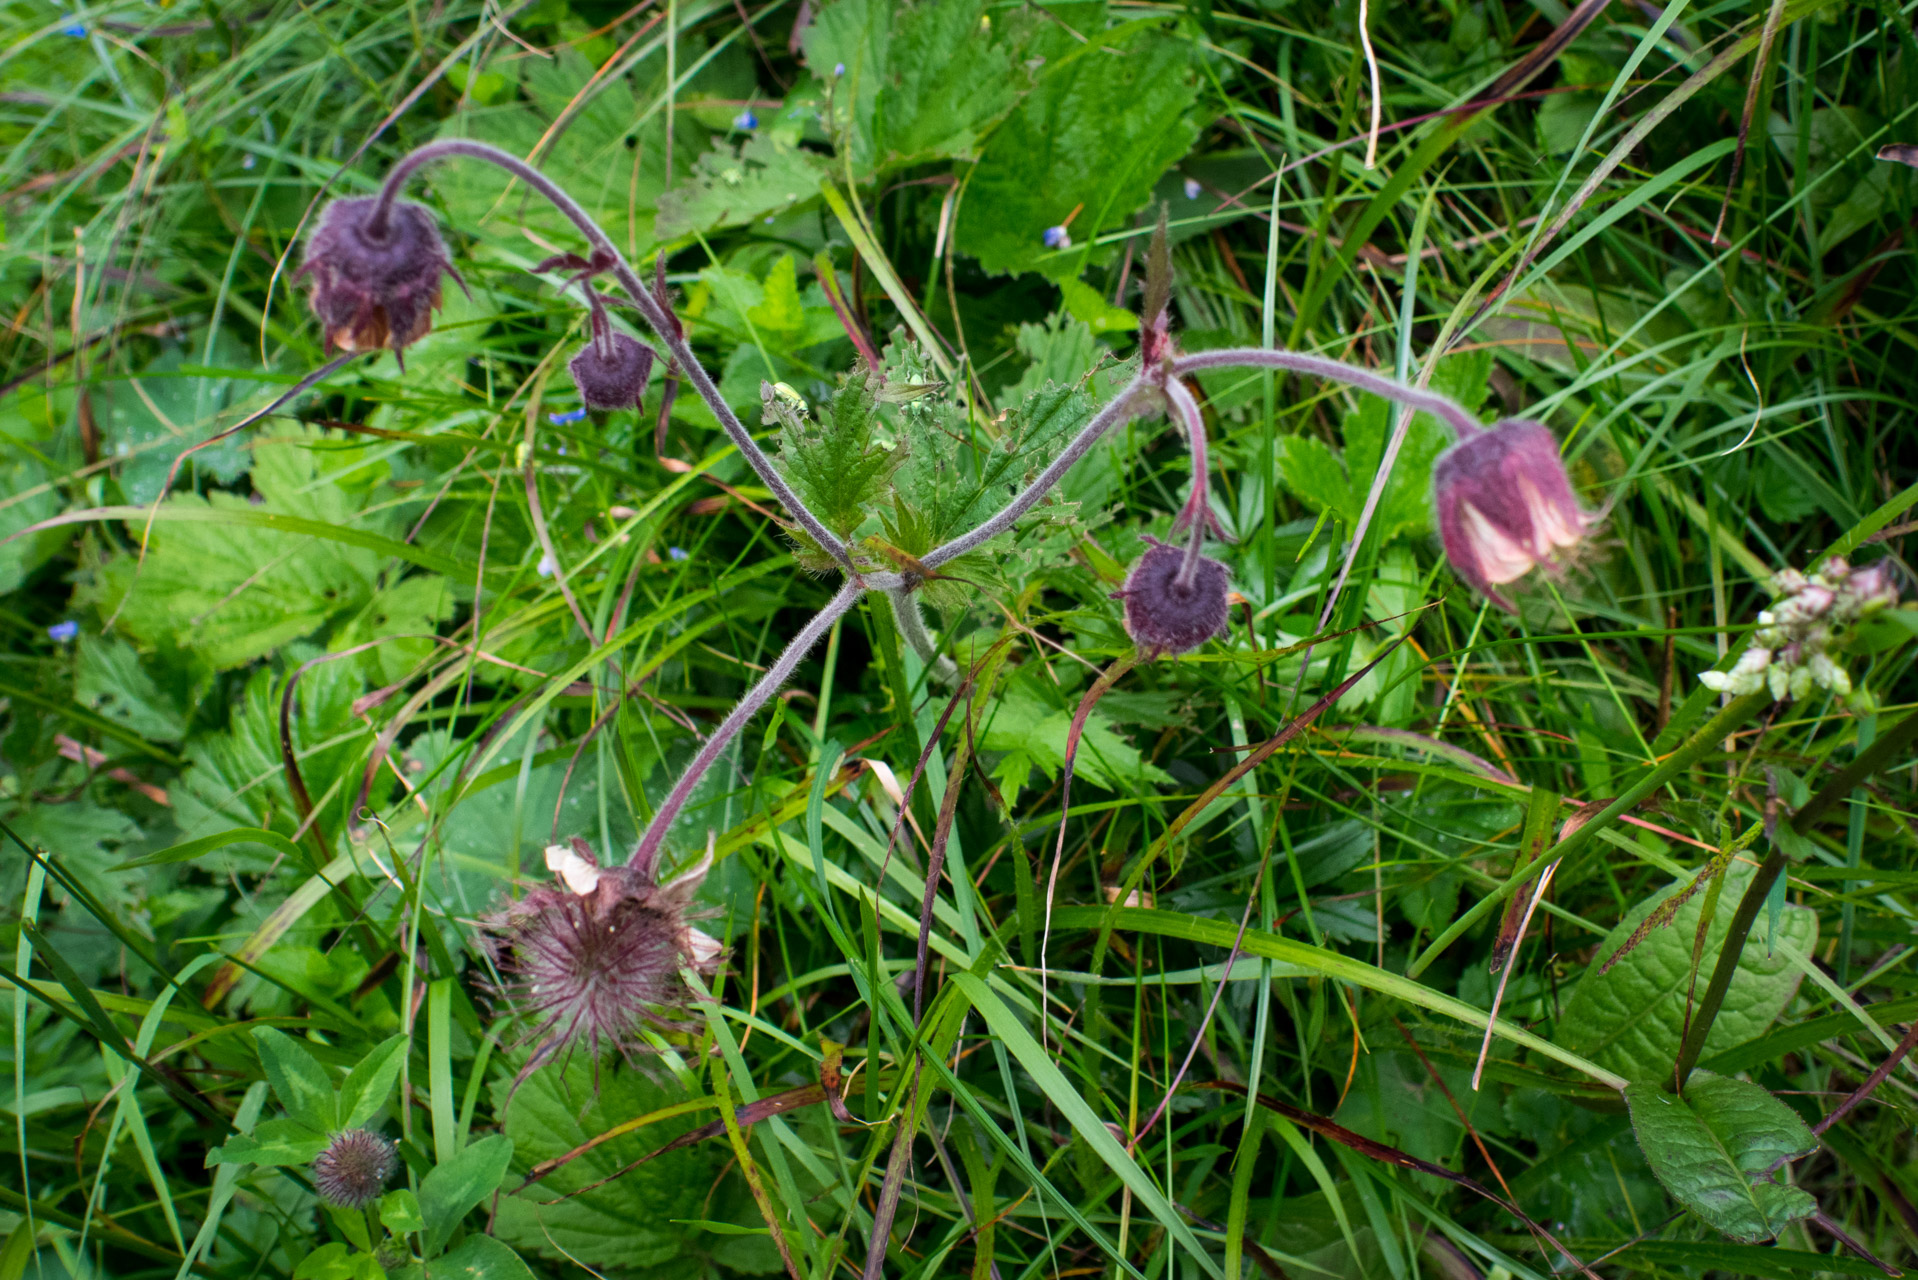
(732,186)
(1708,1147)
(837,466)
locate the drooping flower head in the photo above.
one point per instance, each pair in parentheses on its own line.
(611,371)
(376,277)
(352,1171)
(1505,506)
(594,956)
(1169,611)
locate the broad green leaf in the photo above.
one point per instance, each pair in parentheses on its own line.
(408,611)
(152,416)
(369,1084)
(920,82)
(25,480)
(109,680)
(480,1258)
(272,1142)
(1089,306)
(400,1212)
(449,1190)
(1632,1018)
(732,186)
(1034,736)
(299,1081)
(1711,1148)
(1103,122)
(233,592)
(627,1222)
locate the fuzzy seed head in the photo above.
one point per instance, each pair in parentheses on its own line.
(1505,506)
(352,1171)
(593,957)
(375,286)
(1165,615)
(611,371)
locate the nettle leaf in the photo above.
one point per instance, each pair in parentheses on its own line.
(575,1212)
(838,467)
(1711,1149)
(151,416)
(233,593)
(731,186)
(1631,1018)
(299,1081)
(1033,736)
(921,82)
(109,680)
(408,611)
(1105,119)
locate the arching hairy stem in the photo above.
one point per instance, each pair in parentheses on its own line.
(646,856)
(657,316)
(1196,517)
(1452,413)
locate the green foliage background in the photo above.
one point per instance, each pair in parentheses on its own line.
(273,738)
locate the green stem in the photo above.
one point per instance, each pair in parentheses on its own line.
(1733,714)
(1869,761)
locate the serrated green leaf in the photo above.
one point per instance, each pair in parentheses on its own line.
(299,1081)
(732,186)
(402,613)
(154,415)
(109,680)
(480,1258)
(625,1223)
(1708,1146)
(1089,306)
(1035,736)
(1102,123)
(1632,1018)
(836,465)
(449,1190)
(921,82)
(370,1083)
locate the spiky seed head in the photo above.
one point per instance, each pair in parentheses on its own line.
(593,956)
(352,1171)
(376,280)
(1505,505)
(611,371)
(1166,615)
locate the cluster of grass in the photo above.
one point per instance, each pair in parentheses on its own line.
(285,718)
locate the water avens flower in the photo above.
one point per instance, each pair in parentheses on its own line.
(1505,506)
(352,1171)
(376,273)
(1171,607)
(593,957)
(612,373)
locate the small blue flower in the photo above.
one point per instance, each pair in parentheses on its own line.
(839,68)
(1192,188)
(678,553)
(78,30)
(248,161)
(746,120)
(1057,238)
(566,419)
(63,631)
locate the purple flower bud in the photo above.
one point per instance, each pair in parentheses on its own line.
(353,1169)
(611,372)
(376,281)
(1166,615)
(1505,504)
(594,957)
(63,631)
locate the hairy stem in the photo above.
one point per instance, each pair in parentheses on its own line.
(1116,410)
(912,626)
(1869,761)
(1197,514)
(655,313)
(645,858)
(1709,736)
(1443,407)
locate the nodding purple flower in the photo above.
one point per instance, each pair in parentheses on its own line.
(611,371)
(594,956)
(746,120)
(376,273)
(1505,505)
(1170,608)
(566,419)
(1057,238)
(352,1171)
(63,632)
(1192,188)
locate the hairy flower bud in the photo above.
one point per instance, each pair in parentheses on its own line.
(376,280)
(1166,615)
(352,1171)
(1505,505)
(595,956)
(611,373)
